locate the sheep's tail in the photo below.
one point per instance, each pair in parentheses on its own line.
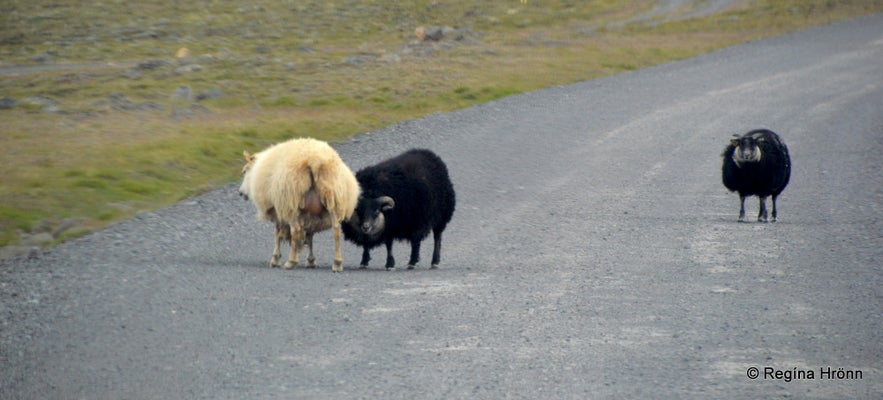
(336,186)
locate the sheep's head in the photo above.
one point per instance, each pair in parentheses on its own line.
(249,162)
(747,148)
(369,218)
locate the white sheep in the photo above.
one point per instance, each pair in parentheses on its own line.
(303,187)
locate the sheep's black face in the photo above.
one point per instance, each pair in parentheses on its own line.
(369,218)
(747,150)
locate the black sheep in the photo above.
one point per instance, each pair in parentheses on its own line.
(757,164)
(403,198)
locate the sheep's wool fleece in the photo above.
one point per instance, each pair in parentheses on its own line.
(283,173)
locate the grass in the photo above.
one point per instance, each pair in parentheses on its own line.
(283,69)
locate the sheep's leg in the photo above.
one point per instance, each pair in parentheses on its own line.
(762,214)
(390,261)
(338,257)
(775,216)
(436,249)
(311,259)
(295,240)
(277,251)
(742,208)
(366,257)
(415,254)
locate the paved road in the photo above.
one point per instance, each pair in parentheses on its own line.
(594,254)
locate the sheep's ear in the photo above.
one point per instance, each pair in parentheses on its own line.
(248,157)
(734,142)
(387,203)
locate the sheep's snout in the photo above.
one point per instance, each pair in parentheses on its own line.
(746,151)
(243,195)
(373,223)
(373,226)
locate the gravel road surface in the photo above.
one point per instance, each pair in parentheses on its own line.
(594,253)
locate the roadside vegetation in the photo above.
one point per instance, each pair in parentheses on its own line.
(111,108)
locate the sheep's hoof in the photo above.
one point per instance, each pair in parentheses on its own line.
(274,261)
(311,263)
(433,266)
(290,264)
(337,266)
(410,266)
(393,268)
(363,266)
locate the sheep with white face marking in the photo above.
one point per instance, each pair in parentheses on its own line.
(757,164)
(403,198)
(303,187)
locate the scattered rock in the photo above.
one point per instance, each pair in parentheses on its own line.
(150,34)
(306,49)
(8,103)
(205,58)
(433,38)
(182,93)
(191,111)
(263,49)
(14,251)
(41,101)
(149,105)
(188,68)
(36,239)
(200,109)
(132,74)
(358,59)
(18,38)
(391,58)
(153,64)
(250,9)
(48,104)
(66,224)
(133,32)
(210,94)
(182,53)
(53,109)
(302,89)
(436,33)
(118,101)
(42,226)
(42,57)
